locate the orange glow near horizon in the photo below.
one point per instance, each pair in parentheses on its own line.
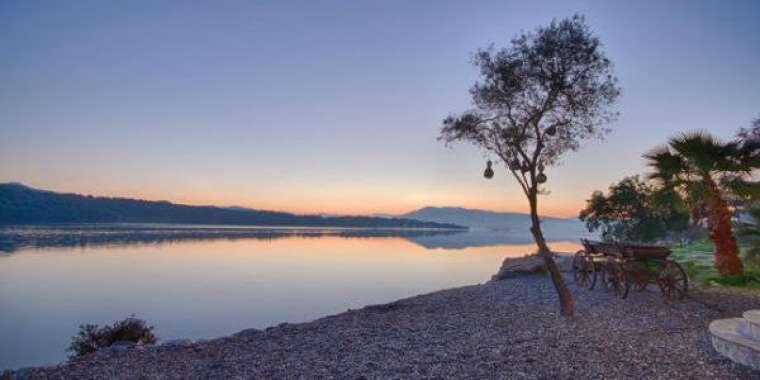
(338,200)
(361,202)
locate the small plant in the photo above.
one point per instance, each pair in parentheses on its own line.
(747,279)
(91,337)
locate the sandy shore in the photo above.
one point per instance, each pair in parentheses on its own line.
(504,329)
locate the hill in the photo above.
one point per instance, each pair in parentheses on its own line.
(21,204)
(515,224)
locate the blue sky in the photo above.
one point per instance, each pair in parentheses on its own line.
(335,106)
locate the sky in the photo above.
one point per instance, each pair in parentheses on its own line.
(335,107)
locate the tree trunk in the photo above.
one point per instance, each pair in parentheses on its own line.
(727,260)
(567,305)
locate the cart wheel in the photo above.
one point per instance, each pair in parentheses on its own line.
(596,270)
(604,276)
(583,270)
(616,279)
(637,279)
(673,281)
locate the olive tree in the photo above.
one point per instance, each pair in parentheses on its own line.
(536,99)
(634,210)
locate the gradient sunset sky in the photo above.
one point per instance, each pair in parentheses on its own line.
(320,106)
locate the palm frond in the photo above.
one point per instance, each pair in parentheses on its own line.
(666,165)
(701,150)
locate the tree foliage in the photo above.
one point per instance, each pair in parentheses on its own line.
(751,134)
(745,187)
(750,231)
(634,210)
(538,98)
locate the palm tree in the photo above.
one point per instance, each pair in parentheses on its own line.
(705,171)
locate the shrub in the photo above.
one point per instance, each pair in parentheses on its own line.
(747,279)
(635,210)
(91,337)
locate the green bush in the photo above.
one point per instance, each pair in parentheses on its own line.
(748,279)
(697,257)
(91,337)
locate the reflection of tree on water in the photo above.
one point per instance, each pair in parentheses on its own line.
(15,238)
(475,238)
(486,238)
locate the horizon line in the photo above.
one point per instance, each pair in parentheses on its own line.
(376,214)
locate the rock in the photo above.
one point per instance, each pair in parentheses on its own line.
(530,264)
(513,266)
(247,333)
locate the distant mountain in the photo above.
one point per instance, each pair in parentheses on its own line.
(21,204)
(512,223)
(481,219)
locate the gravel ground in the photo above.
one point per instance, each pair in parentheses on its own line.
(504,329)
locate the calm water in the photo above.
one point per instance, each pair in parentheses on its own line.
(208,282)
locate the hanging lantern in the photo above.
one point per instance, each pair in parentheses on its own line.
(525,167)
(514,165)
(541,178)
(551,131)
(488,173)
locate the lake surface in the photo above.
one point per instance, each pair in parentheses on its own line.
(204,282)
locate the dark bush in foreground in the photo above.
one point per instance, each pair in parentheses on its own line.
(91,337)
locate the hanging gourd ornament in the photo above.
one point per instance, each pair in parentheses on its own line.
(488,173)
(541,178)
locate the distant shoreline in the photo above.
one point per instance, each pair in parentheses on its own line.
(26,205)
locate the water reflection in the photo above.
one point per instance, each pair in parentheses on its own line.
(212,283)
(14,238)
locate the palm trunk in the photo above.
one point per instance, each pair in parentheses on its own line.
(567,305)
(727,260)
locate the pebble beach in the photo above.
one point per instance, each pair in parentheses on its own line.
(500,329)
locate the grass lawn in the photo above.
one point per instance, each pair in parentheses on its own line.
(697,260)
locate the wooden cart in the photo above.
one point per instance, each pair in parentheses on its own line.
(620,266)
